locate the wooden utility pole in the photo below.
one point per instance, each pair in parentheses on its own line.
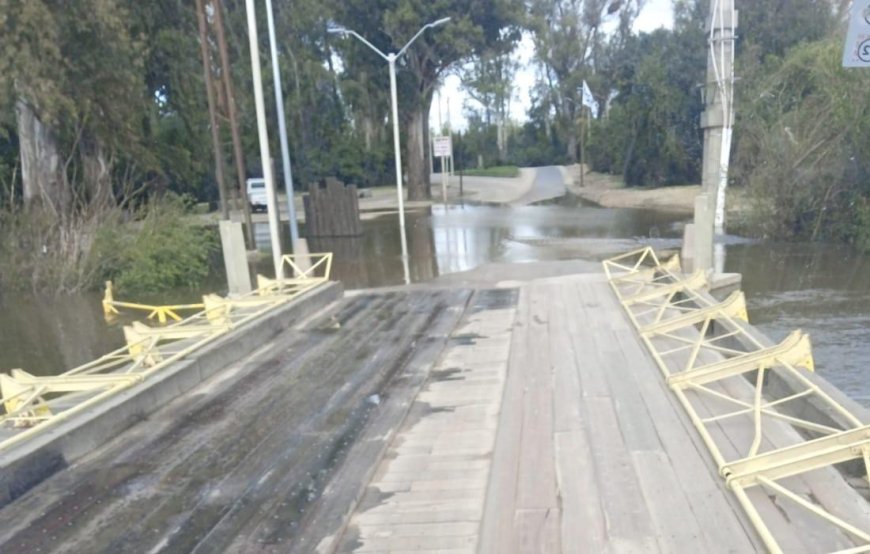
(238,153)
(212,113)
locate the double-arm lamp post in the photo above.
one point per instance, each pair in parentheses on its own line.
(391,60)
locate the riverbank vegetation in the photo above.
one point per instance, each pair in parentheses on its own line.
(103,108)
(153,248)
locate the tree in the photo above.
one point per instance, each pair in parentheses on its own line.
(651,134)
(72,69)
(774,26)
(474,27)
(801,151)
(488,80)
(568,37)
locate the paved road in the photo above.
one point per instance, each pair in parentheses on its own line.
(548,184)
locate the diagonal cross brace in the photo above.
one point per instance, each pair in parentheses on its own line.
(795,349)
(695,281)
(733,307)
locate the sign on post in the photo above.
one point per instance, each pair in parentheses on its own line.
(856,52)
(443,146)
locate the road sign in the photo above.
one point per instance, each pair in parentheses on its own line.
(443,146)
(856,52)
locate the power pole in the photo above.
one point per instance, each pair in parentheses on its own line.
(238,152)
(716,120)
(212,113)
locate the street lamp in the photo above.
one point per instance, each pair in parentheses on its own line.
(391,60)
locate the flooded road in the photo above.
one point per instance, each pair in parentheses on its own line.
(821,289)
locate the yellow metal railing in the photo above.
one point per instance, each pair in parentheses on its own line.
(701,345)
(161,313)
(32,405)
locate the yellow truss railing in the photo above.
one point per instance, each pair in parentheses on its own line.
(30,405)
(161,313)
(692,338)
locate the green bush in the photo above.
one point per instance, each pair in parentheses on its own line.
(162,250)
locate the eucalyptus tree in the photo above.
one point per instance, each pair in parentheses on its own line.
(489,81)
(73,71)
(568,35)
(474,27)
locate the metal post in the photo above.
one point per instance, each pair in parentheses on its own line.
(444,176)
(282,128)
(391,59)
(431,152)
(582,145)
(263,135)
(458,145)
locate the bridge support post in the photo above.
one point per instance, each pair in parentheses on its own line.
(702,230)
(235,258)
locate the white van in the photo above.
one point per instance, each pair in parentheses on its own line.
(257,194)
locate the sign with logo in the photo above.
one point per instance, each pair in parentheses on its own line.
(443,146)
(856,53)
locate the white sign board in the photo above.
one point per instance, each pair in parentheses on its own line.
(856,53)
(443,146)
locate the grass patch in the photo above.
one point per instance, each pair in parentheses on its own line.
(497,171)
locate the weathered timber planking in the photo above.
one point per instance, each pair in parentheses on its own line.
(566,381)
(621,496)
(676,528)
(585,347)
(536,487)
(536,530)
(498,517)
(717,511)
(635,422)
(583,526)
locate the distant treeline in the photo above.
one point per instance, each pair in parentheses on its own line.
(103,102)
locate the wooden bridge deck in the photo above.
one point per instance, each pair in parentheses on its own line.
(564,440)
(506,420)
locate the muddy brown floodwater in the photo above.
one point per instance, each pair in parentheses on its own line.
(821,289)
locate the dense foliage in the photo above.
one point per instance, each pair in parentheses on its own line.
(103,106)
(163,250)
(802,152)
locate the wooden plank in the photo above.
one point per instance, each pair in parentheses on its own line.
(566,381)
(536,531)
(635,422)
(536,487)
(584,346)
(720,517)
(673,519)
(498,518)
(583,527)
(618,483)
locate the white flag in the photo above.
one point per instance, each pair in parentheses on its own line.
(589,100)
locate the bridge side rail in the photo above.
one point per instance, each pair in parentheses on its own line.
(33,405)
(759,439)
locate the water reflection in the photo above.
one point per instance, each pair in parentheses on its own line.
(463,237)
(821,289)
(47,336)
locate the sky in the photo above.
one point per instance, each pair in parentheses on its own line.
(655,14)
